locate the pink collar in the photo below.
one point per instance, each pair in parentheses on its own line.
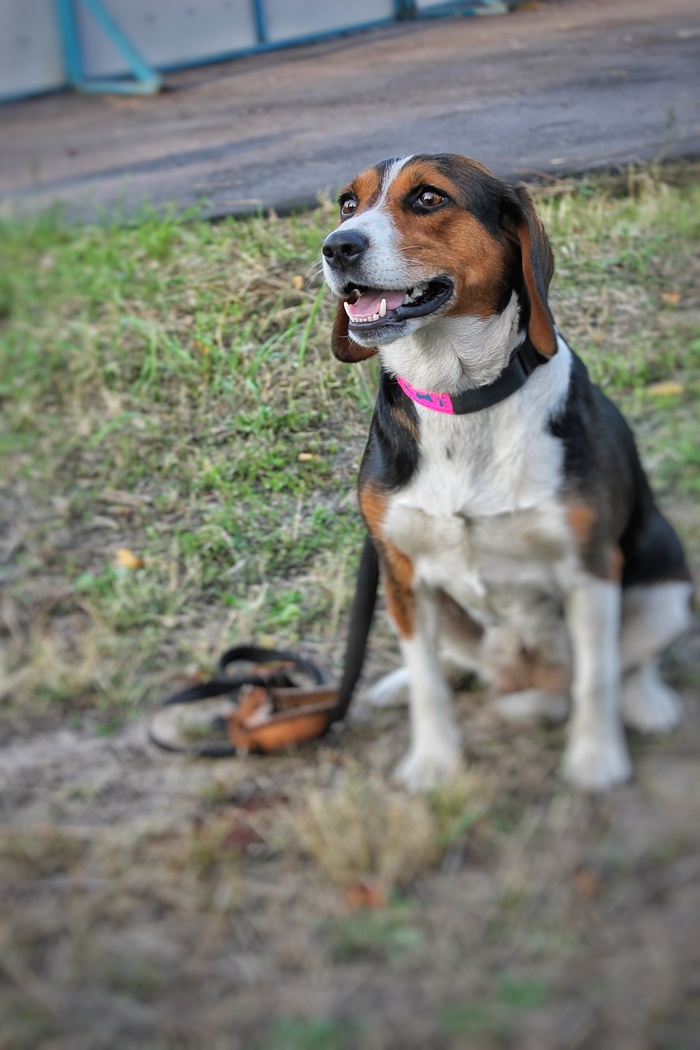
(522,364)
(438,402)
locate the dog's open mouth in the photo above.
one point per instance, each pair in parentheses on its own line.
(375,307)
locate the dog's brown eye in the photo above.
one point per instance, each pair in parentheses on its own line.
(348,207)
(429,199)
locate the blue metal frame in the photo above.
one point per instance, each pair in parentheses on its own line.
(146,81)
(260,21)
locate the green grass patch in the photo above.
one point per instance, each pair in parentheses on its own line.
(167,387)
(496,1014)
(386,934)
(323,1034)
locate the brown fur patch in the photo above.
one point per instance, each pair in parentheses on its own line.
(404,421)
(397,573)
(616,563)
(450,240)
(582,519)
(599,557)
(396,568)
(373,503)
(343,345)
(527,671)
(366,188)
(540,329)
(455,619)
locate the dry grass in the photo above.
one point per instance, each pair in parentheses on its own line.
(159,384)
(358,831)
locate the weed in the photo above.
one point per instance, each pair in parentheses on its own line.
(313,1035)
(496,1014)
(457,807)
(386,935)
(362,829)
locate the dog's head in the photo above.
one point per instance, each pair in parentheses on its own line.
(434,236)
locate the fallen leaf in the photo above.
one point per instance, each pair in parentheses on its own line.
(667,388)
(306,457)
(126,559)
(588,883)
(240,835)
(671,298)
(361,894)
(297,282)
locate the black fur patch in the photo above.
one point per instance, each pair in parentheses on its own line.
(392,454)
(602,469)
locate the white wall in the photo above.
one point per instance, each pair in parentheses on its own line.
(30,48)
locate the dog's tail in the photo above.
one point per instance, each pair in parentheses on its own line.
(358,631)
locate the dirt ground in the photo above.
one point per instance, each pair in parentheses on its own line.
(551,89)
(162,902)
(152,901)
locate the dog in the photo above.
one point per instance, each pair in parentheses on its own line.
(516,532)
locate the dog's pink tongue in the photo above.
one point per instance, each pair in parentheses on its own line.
(369,303)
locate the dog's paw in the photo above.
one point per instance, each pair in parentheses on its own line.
(391,689)
(424,769)
(533,705)
(596,762)
(648,704)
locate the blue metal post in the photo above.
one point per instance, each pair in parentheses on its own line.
(260,20)
(147,81)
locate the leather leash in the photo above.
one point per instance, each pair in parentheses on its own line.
(270,710)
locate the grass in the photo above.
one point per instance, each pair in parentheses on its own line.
(179,455)
(167,388)
(357,831)
(497,1014)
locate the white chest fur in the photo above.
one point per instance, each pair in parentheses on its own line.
(481,518)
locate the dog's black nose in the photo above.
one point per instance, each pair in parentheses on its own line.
(343,247)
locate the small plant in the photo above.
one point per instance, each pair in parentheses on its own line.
(457,807)
(496,1014)
(386,934)
(313,1035)
(363,829)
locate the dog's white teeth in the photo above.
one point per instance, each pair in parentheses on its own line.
(407,299)
(347,309)
(382,308)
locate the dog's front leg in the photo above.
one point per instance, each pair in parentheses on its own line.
(435,752)
(596,755)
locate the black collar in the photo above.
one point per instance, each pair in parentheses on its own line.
(522,364)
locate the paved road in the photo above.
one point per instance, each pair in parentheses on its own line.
(563,88)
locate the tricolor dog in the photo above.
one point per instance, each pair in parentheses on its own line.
(516,531)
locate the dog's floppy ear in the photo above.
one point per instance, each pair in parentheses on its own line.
(538,267)
(343,346)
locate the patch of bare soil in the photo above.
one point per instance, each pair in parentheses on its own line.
(156,901)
